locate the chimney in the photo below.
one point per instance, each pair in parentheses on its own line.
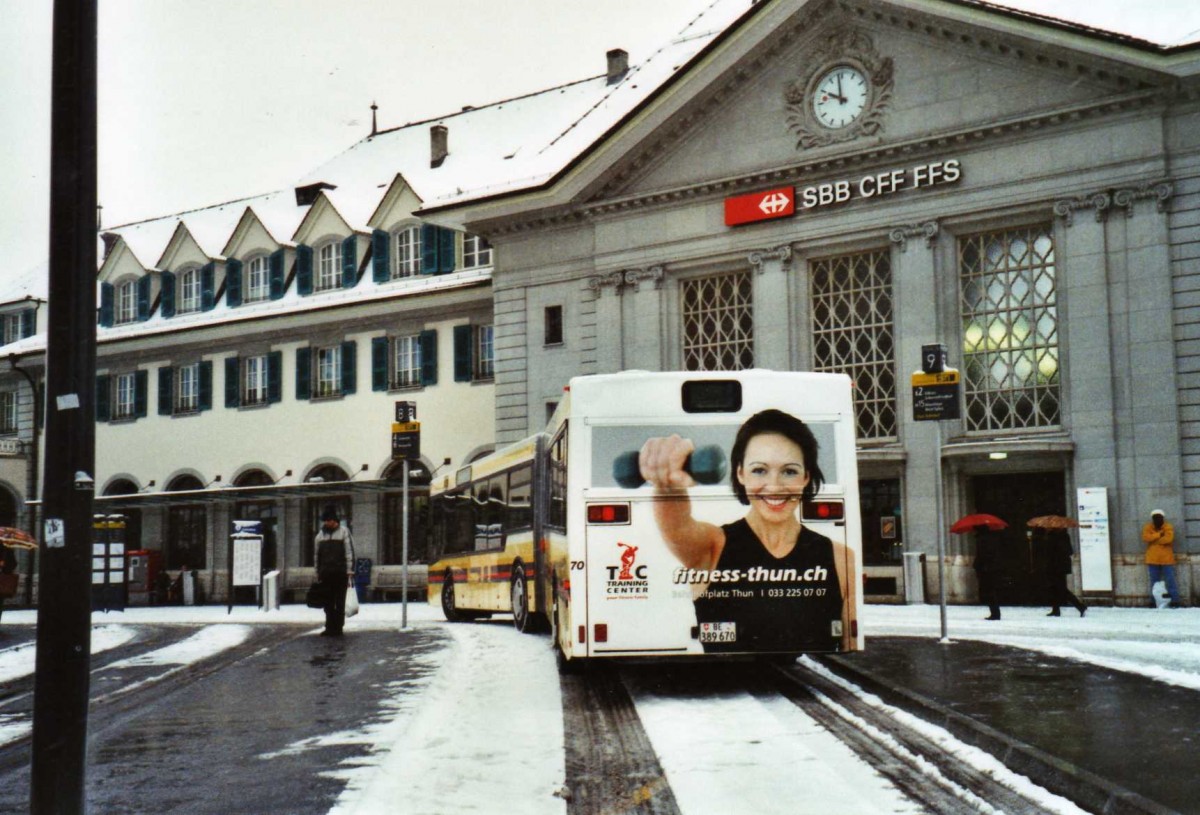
(618,65)
(439,145)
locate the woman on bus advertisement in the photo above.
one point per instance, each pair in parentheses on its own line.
(764,583)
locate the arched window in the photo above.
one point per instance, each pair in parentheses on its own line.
(329,266)
(408,252)
(187,528)
(188,297)
(258,279)
(126,310)
(133,517)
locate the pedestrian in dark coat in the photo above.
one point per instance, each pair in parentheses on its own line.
(987,570)
(8,565)
(335,569)
(1055,548)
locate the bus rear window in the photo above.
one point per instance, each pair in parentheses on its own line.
(712,396)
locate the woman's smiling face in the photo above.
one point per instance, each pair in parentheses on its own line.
(774,476)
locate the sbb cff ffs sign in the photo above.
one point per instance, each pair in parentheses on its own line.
(760,206)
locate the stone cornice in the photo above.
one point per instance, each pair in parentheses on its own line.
(901,234)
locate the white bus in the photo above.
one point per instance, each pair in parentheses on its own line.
(751,547)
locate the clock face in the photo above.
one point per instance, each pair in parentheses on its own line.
(840,97)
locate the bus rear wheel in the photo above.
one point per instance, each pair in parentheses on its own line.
(448,608)
(522,619)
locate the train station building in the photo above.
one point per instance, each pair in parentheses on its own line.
(828,186)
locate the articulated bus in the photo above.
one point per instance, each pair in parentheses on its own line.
(673,514)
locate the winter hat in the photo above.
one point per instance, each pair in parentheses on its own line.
(1154,512)
(329,513)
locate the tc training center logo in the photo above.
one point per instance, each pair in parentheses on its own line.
(627,580)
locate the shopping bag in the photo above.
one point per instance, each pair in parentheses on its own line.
(351,600)
(1159,592)
(315,598)
(8,585)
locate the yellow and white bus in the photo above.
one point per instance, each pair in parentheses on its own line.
(560,531)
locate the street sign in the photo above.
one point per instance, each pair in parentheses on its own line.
(406,440)
(760,206)
(935,395)
(406,411)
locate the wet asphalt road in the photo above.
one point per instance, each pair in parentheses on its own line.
(245,739)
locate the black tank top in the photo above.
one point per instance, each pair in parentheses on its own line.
(791,604)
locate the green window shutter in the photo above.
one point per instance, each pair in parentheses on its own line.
(166,391)
(233,282)
(233,382)
(140,395)
(349,367)
(429,249)
(168,294)
(379,363)
(303,373)
(350,262)
(275,274)
(106,305)
(428,344)
(28,322)
(304,269)
(208,297)
(143,297)
(103,392)
(446,243)
(274,376)
(381,243)
(206,384)
(462,353)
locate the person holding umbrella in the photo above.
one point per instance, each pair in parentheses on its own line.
(987,557)
(1054,549)
(11,538)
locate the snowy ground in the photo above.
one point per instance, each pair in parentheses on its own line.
(508,724)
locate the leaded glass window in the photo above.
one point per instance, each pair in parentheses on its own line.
(718,323)
(1009,309)
(853,334)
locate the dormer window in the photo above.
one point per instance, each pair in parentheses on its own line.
(408,252)
(476,251)
(12,328)
(258,279)
(126,302)
(329,266)
(189,291)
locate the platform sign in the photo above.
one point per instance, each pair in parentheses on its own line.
(406,440)
(935,395)
(406,411)
(1095,545)
(760,206)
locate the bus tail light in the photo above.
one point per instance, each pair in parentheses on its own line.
(582,634)
(601,632)
(608,513)
(854,629)
(824,511)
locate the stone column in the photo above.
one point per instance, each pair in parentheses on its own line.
(644,331)
(772,321)
(610,340)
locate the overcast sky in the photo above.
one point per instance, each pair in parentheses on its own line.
(204,101)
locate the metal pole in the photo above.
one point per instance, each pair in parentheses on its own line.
(60,695)
(941,535)
(404,552)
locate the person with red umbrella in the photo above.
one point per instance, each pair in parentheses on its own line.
(987,558)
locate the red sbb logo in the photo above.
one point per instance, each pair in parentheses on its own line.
(760,206)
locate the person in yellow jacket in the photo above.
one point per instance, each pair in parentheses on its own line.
(1159,537)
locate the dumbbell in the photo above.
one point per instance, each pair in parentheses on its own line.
(706,464)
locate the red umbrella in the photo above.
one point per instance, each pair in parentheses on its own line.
(16,538)
(967,523)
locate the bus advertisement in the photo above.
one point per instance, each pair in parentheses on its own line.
(666,515)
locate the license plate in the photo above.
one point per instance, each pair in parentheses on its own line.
(718,632)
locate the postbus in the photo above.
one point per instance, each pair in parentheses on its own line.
(560,531)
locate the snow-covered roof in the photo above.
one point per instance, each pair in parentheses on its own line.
(31,284)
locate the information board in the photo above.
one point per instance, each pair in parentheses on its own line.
(1095,545)
(935,395)
(247,559)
